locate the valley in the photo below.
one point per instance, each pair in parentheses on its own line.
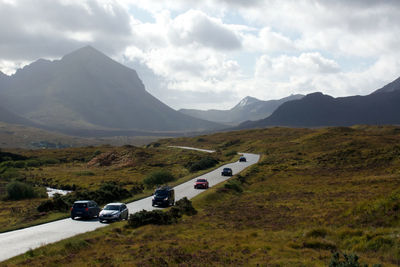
(314,191)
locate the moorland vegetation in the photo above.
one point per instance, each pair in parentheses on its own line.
(317,197)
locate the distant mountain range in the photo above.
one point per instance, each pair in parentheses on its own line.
(86,91)
(317,110)
(249,108)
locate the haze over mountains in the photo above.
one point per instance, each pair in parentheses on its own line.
(87,90)
(87,93)
(249,108)
(317,110)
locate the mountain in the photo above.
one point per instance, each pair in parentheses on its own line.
(9,117)
(390,87)
(249,108)
(86,90)
(317,109)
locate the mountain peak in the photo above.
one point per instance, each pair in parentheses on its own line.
(246,101)
(84,53)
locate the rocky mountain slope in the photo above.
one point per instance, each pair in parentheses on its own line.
(86,90)
(249,108)
(316,110)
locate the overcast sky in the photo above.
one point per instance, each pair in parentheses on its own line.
(212,53)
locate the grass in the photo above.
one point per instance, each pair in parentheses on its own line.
(87,168)
(313,192)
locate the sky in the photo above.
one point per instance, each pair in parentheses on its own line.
(210,54)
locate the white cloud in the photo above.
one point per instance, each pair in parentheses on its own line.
(227,49)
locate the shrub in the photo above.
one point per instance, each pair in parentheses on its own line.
(33,163)
(158,178)
(137,188)
(203,164)
(18,190)
(150,217)
(57,203)
(183,207)
(319,244)
(158,217)
(231,153)
(84,173)
(234,185)
(49,161)
(19,164)
(350,260)
(319,232)
(10,173)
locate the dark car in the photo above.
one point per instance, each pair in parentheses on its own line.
(85,209)
(114,212)
(242,159)
(201,183)
(163,196)
(226,172)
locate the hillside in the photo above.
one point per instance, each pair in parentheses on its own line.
(314,192)
(249,108)
(86,90)
(318,110)
(26,137)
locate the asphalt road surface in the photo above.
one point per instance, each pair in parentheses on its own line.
(20,241)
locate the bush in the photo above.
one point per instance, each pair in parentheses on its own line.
(158,217)
(230,153)
(57,203)
(84,173)
(150,217)
(319,232)
(18,190)
(203,164)
(19,164)
(158,178)
(49,161)
(234,185)
(183,207)
(348,261)
(33,163)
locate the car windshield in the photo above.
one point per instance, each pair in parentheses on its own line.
(161,193)
(227,169)
(111,207)
(201,180)
(80,205)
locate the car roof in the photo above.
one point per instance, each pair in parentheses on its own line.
(83,201)
(227,169)
(116,204)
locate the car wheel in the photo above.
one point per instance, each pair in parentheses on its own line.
(72,217)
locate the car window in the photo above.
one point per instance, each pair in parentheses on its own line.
(111,207)
(80,205)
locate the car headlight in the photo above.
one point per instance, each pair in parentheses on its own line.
(165,199)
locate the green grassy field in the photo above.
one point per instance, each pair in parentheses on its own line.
(314,192)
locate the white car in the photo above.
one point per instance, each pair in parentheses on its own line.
(114,212)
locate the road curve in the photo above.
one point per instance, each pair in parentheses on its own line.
(20,241)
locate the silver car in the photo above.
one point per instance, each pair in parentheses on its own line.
(114,212)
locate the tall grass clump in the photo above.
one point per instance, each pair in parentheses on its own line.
(203,164)
(18,190)
(158,178)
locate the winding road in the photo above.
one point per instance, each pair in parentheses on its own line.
(20,241)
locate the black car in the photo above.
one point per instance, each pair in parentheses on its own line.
(226,172)
(85,209)
(242,159)
(164,196)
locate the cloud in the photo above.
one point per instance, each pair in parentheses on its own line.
(195,27)
(50,28)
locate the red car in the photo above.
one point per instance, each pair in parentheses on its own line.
(201,183)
